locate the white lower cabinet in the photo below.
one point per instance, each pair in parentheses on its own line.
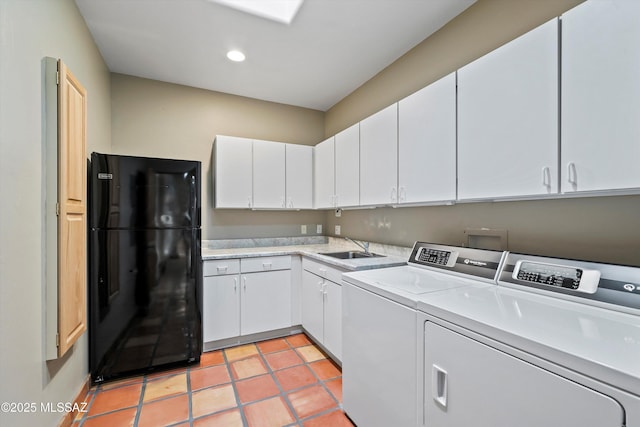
(221,307)
(265,302)
(468,383)
(246,296)
(322,305)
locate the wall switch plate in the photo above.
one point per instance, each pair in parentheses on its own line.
(303,229)
(319,229)
(337,230)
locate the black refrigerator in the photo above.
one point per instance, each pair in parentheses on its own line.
(145,265)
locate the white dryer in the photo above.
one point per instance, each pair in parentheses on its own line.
(555,343)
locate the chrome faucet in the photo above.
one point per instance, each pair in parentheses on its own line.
(364,245)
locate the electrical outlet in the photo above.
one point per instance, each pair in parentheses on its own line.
(337,230)
(319,229)
(303,229)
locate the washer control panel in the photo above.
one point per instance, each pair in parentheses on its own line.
(560,276)
(437,257)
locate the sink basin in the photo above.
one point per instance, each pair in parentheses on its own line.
(351,255)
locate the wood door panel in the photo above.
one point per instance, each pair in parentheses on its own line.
(72,225)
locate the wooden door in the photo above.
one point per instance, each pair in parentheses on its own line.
(72,225)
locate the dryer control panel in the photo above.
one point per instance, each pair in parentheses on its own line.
(477,263)
(574,278)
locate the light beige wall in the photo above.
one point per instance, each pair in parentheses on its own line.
(152,118)
(30,31)
(602,229)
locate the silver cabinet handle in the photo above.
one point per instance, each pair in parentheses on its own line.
(402,194)
(439,385)
(546,176)
(394,194)
(572,175)
(266,265)
(222,268)
(244,283)
(235,284)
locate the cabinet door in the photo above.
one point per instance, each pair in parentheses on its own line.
(299,176)
(221,307)
(427,143)
(312,304)
(508,119)
(333,318)
(233,172)
(347,145)
(601,96)
(265,301)
(268,174)
(470,384)
(324,178)
(379,157)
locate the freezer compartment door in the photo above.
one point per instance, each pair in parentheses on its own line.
(137,192)
(145,294)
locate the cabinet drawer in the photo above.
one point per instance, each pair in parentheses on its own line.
(323,270)
(221,267)
(249,265)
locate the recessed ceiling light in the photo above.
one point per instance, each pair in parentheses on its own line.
(235,56)
(277,10)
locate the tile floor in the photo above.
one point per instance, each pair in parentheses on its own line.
(281,382)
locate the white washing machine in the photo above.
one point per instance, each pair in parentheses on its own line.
(382,332)
(555,343)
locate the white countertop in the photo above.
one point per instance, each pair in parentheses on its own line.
(394,255)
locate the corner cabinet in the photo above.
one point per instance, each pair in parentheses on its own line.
(268,175)
(508,119)
(299,176)
(259,174)
(427,143)
(601,96)
(322,305)
(347,167)
(324,174)
(379,158)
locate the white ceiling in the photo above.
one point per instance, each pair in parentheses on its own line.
(329,50)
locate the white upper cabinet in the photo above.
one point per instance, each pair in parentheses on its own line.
(233,172)
(427,143)
(299,176)
(347,156)
(508,119)
(379,158)
(268,174)
(323,174)
(601,96)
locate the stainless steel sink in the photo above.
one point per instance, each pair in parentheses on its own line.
(351,254)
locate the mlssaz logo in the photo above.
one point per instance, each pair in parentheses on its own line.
(476,263)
